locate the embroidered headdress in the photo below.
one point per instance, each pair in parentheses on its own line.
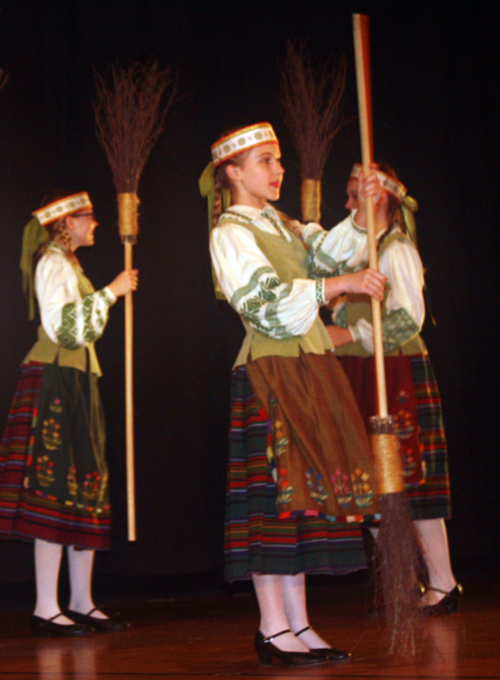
(392,185)
(225,148)
(62,208)
(397,189)
(35,235)
(243,139)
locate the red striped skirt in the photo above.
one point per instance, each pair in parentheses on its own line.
(26,511)
(414,400)
(257,539)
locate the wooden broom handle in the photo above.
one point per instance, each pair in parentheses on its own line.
(129,401)
(361,27)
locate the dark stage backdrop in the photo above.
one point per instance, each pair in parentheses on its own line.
(436,107)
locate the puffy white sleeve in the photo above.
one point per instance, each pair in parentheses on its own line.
(404,307)
(275,308)
(68,319)
(342,250)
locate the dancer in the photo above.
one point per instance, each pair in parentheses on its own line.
(53,472)
(299,462)
(412,389)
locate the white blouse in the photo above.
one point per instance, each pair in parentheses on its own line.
(69,319)
(245,275)
(404,306)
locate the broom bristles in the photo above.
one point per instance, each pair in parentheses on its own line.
(398,574)
(129,118)
(311,99)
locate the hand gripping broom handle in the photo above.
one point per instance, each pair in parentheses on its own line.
(361,29)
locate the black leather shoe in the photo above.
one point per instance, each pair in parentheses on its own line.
(47,628)
(333,655)
(449,604)
(266,652)
(101,625)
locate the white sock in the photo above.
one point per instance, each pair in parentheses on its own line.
(47,567)
(81,563)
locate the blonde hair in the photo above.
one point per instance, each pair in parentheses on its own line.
(59,233)
(222,181)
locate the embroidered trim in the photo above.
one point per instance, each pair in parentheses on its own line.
(106,296)
(398,327)
(66,336)
(276,224)
(341,316)
(263,295)
(319,292)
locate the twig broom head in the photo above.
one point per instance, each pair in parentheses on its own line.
(311,100)
(129,119)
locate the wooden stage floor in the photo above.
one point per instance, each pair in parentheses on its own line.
(211,635)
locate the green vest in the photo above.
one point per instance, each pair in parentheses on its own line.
(48,352)
(289,260)
(359,307)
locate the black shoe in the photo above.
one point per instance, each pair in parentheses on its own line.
(266,651)
(47,628)
(449,604)
(333,655)
(101,625)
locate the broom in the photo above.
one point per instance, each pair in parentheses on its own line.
(129,119)
(311,101)
(397,555)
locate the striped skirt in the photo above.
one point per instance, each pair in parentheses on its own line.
(256,540)
(414,400)
(53,482)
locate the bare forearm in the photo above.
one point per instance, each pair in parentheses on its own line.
(339,336)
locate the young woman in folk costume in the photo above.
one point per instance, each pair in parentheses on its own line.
(299,461)
(53,472)
(412,389)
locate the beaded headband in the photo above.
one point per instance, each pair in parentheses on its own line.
(241,140)
(63,207)
(390,184)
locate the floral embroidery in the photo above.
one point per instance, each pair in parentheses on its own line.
(44,471)
(71,481)
(342,489)
(285,489)
(91,486)
(404,428)
(404,425)
(408,460)
(56,407)
(280,441)
(363,492)
(315,486)
(51,435)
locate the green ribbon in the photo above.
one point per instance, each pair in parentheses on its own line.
(206,185)
(34,236)
(409,207)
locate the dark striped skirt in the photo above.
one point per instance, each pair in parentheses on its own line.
(53,477)
(413,398)
(256,540)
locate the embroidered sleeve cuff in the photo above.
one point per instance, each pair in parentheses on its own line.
(108,296)
(320,292)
